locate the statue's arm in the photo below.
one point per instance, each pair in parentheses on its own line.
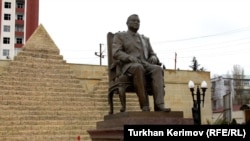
(152,55)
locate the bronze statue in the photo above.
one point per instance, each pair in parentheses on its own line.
(139,61)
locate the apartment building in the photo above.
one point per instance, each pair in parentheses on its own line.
(18,20)
(231,98)
(239,90)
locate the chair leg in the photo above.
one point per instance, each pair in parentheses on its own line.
(122,97)
(110,100)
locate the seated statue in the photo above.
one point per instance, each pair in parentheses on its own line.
(139,61)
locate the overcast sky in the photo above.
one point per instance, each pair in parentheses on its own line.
(216,32)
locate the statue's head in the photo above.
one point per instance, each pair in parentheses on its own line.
(133,22)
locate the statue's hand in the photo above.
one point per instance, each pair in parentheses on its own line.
(153,59)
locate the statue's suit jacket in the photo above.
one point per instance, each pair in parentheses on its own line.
(125,44)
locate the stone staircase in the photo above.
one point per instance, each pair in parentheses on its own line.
(40,99)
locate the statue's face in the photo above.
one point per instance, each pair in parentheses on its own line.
(133,23)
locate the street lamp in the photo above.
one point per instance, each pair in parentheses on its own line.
(200,97)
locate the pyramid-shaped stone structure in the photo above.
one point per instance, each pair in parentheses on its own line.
(40,99)
(41,42)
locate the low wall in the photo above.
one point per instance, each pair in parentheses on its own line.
(178,95)
(89,75)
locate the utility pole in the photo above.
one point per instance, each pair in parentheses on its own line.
(175,60)
(100,54)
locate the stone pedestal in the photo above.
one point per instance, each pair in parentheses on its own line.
(111,128)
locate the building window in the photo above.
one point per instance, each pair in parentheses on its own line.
(20,4)
(214,105)
(237,83)
(19,40)
(6,16)
(19,17)
(6,28)
(6,52)
(19,28)
(6,40)
(246,82)
(7,5)
(213,85)
(226,82)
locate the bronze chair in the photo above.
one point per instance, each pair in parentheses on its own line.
(118,83)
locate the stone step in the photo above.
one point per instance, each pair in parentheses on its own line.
(46,135)
(128,109)
(105,99)
(118,106)
(103,82)
(37,79)
(47,115)
(44,129)
(40,84)
(16,64)
(116,103)
(101,91)
(85,107)
(44,105)
(38,55)
(100,87)
(43,59)
(48,119)
(41,88)
(44,93)
(43,97)
(104,93)
(36,102)
(20,69)
(42,123)
(44,75)
(63,137)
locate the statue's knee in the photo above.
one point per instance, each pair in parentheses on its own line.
(138,67)
(158,69)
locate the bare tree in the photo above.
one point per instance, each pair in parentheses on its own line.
(238,77)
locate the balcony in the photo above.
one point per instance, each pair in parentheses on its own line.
(20,22)
(19,10)
(18,33)
(18,45)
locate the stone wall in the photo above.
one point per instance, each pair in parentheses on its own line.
(178,95)
(89,75)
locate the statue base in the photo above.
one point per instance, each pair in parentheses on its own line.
(111,129)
